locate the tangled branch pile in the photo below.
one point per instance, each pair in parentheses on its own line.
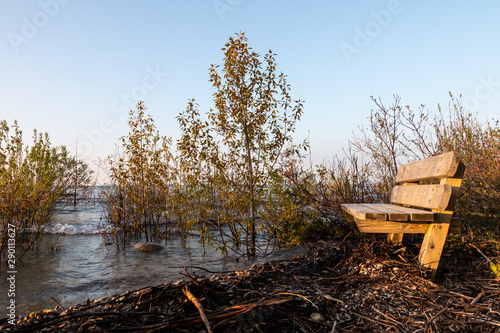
(357,285)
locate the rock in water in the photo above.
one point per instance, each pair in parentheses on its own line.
(149,247)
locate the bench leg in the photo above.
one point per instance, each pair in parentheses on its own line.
(394,239)
(433,244)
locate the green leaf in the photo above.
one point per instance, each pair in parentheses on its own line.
(495,268)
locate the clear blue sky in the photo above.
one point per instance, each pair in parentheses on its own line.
(71,67)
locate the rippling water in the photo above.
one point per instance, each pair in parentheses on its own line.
(82,267)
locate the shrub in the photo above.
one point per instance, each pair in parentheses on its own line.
(141,183)
(33,181)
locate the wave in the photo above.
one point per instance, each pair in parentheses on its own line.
(73,229)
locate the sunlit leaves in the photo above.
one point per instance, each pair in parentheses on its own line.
(234,152)
(495,268)
(137,201)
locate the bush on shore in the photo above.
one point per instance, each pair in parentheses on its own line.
(33,181)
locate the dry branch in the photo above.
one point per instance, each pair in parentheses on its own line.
(358,284)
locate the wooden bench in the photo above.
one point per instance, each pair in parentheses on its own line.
(400,217)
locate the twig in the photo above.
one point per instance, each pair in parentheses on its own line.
(55,300)
(386,316)
(474,301)
(380,321)
(198,305)
(350,232)
(480,252)
(495,268)
(459,294)
(181,324)
(436,315)
(334,326)
(240,309)
(203,269)
(292,294)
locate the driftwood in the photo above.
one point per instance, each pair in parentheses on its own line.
(198,305)
(356,284)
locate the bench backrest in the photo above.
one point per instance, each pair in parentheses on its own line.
(447,167)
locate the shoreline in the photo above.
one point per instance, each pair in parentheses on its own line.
(356,284)
(83,268)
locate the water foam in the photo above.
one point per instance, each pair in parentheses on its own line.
(74,229)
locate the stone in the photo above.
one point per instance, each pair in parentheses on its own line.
(149,247)
(317,317)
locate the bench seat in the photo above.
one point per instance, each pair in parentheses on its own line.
(388,218)
(388,212)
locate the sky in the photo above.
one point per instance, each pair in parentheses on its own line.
(74,68)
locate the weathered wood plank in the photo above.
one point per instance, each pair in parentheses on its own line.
(424,196)
(363,211)
(395,227)
(395,239)
(393,214)
(387,227)
(455,184)
(413,214)
(440,166)
(433,243)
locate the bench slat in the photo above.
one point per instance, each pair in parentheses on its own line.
(423,196)
(388,212)
(372,226)
(412,213)
(383,227)
(441,166)
(364,211)
(393,214)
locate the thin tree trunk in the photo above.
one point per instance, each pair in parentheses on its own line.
(250,193)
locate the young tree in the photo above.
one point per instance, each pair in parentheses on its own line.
(141,181)
(238,148)
(80,177)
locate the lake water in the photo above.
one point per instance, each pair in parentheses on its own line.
(73,264)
